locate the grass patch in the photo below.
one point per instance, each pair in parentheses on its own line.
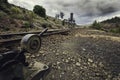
(16,10)
(96,25)
(116,30)
(2,14)
(26,25)
(46,25)
(5,29)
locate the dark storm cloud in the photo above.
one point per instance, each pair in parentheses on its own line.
(90,7)
(84,10)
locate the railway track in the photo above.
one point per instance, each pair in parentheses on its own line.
(13,37)
(4,36)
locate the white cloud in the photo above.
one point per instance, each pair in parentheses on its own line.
(85,10)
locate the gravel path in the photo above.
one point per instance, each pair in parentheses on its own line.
(84,54)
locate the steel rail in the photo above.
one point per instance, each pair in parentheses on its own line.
(24,33)
(52,32)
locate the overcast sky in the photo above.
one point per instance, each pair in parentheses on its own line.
(85,11)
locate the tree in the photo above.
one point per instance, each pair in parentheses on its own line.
(96,25)
(39,10)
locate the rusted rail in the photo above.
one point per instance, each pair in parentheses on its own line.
(49,32)
(24,33)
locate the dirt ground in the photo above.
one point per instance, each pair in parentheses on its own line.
(83,54)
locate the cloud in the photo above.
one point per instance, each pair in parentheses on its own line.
(85,10)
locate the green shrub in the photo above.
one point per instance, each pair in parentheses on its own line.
(116,30)
(4,8)
(96,25)
(46,18)
(31,15)
(5,28)
(39,10)
(2,14)
(26,25)
(16,10)
(18,16)
(45,25)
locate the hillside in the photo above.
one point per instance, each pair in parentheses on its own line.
(112,25)
(15,19)
(112,20)
(109,25)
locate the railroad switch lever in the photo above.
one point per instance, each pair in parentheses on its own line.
(32,42)
(45,30)
(13,63)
